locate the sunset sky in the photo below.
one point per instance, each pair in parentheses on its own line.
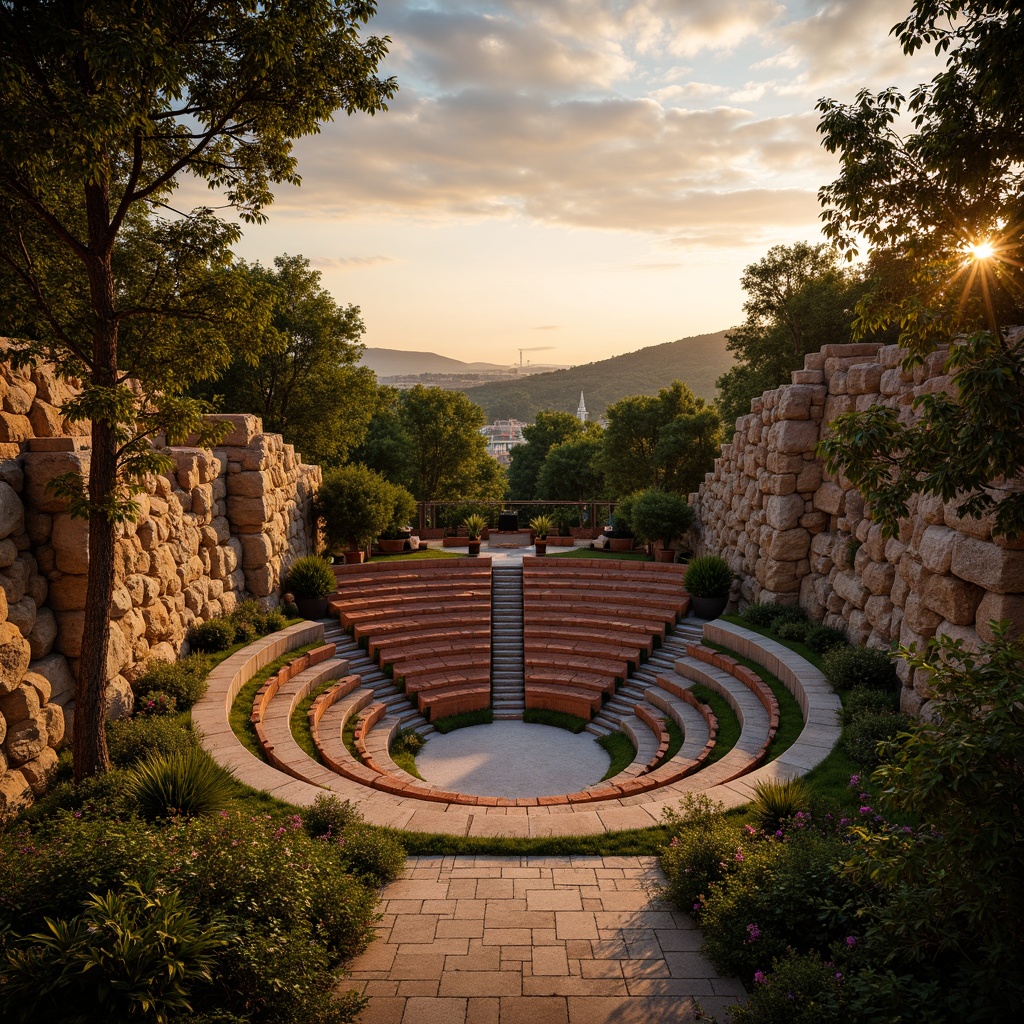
(579,178)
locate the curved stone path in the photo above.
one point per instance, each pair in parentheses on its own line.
(535,940)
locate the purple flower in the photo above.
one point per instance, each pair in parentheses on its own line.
(839,976)
(854,781)
(739,855)
(865,809)
(851,940)
(754,932)
(696,906)
(759,978)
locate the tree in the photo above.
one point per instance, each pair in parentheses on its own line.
(355,504)
(665,442)
(655,515)
(385,446)
(798,299)
(941,210)
(305,384)
(447,453)
(104,107)
(548,429)
(572,470)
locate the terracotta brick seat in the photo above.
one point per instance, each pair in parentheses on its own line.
(327,718)
(447,676)
(631,588)
(408,608)
(613,620)
(408,668)
(414,621)
(540,659)
(643,644)
(669,608)
(444,649)
(395,596)
(570,645)
(383,646)
(580,679)
(583,703)
(453,700)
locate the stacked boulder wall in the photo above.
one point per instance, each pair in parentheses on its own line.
(222,526)
(794,534)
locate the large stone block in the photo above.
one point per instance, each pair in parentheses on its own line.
(257,550)
(952,598)
(67,593)
(863,378)
(783,512)
(920,618)
(830,498)
(15,794)
(990,567)
(14,657)
(249,511)
(25,740)
(250,485)
(41,770)
(22,702)
(792,437)
(794,402)
(999,608)
(43,466)
(242,428)
(12,511)
(850,589)
(23,614)
(789,545)
(879,577)
(14,427)
(62,683)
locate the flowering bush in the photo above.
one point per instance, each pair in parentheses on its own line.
(155,703)
(799,988)
(701,851)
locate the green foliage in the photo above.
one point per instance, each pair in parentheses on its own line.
(187,783)
(132,954)
(798,299)
(131,740)
(372,853)
(820,638)
(548,431)
(763,614)
(354,504)
(248,618)
(155,702)
(463,721)
(854,668)
(862,736)
(666,442)
(305,362)
(702,847)
(329,816)
(211,636)
(542,526)
(184,679)
(572,469)
(800,988)
(777,801)
(708,576)
(408,740)
(796,631)
(311,577)
(558,719)
(475,525)
(657,515)
(619,747)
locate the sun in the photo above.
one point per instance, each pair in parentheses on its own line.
(982,250)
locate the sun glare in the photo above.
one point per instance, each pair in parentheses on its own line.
(982,250)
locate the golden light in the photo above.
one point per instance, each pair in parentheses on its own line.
(982,250)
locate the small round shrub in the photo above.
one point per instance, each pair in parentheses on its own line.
(776,801)
(861,738)
(246,632)
(762,615)
(708,576)
(821,638)
(130,740)
(408,741)
(311,577)
(372,853)
(854,668)
(701,850)
(859,703)
(215,635)
(795,632)
(184,679)
(155,702)
(329,816)
(789,613)
(273,621)
(799,988)
(185,784)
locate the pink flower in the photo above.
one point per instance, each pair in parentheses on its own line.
(754,932)
(851,940)
(739,855)
(759,978)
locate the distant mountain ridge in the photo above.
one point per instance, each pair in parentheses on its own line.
(394,362)
(697,361)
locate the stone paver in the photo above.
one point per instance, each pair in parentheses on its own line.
(590,941)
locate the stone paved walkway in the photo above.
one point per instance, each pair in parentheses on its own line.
(535,940)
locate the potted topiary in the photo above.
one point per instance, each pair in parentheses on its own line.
(657,515)
(475,526)
(393,538)
(708,581)
(311,580)
(541,526)
(354,504)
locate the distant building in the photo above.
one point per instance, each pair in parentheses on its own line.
(581,411)
(502,436)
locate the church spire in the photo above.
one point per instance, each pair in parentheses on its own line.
(581,411)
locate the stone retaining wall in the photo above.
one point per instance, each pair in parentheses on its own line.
(796,535)
(222,526)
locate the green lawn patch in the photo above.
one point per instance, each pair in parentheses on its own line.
(559,719)
(728,724)
(421,554)
(620,749)
(299,721)
(241,707)
(404,748)
(482,717)
(633,843)
(636,556)
(802,649)
(675,740)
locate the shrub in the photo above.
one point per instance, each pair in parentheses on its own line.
(155,702)
(659,515)
(701,850)
(859,703)
(210,637)
(184,679)
(130,740)
(800,988)
(708,576)
(475,525)
(776,801)
(251,622)
(789,613)
(311,577)
(821,638)
(862,737)
(187,783)
(355,504)
(329,816)
(372,853)
(852,668)
(542,526)
(763,615)
(795,632)
(245,632)
(129,955)
(409,741)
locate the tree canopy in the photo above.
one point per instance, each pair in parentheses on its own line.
(304,382)
(104,108)
(550,428)
(665,442)
(798,299)
(940,209)
(572,470)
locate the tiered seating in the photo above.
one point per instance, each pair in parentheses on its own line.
(429,623)
(587,624)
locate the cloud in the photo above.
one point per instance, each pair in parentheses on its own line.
(349,262)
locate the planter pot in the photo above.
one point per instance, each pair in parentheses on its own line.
(354,557)
(474,547)
(708,607)
(620,543)
(391,547)
(312,607)
(541,547)
(666,555)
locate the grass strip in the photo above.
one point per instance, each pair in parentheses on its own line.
(404,748)
(728,724)
(675,740)
(299,722)
(559,719)
(791,718)
(421,554)
(241,707)
(482,717)
(802,649)
(634,843)
(348,736)
(620,749)
(636,556)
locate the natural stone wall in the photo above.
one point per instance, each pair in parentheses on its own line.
(222,526)
(793,534)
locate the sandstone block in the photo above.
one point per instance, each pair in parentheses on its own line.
(783,512)
(952,598)
(997,608)
(21,703)
(830,498)
(990,567)
(793,437)
(42,467)
(25,740)
(849,588)
(23,614)
(53,715)
(14,656)
(40,684)
(837,405)
(794,402)
(40,771)
(15,794)
(67,593)
(918,617)
(789,545)
(879,577)
(12,511)
(257,550)
(878,611)
(863,378)
(253,484)
(70,631)
(779,484)
(778,462)
(14,427)
(242,428)
(62,683)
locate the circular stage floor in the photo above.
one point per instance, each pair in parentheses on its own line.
(512,759)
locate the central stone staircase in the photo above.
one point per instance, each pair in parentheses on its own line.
(507,682)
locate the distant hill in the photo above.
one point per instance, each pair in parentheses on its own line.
(697,361)
(393,362)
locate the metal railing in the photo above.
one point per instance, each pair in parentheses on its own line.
(590,516)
